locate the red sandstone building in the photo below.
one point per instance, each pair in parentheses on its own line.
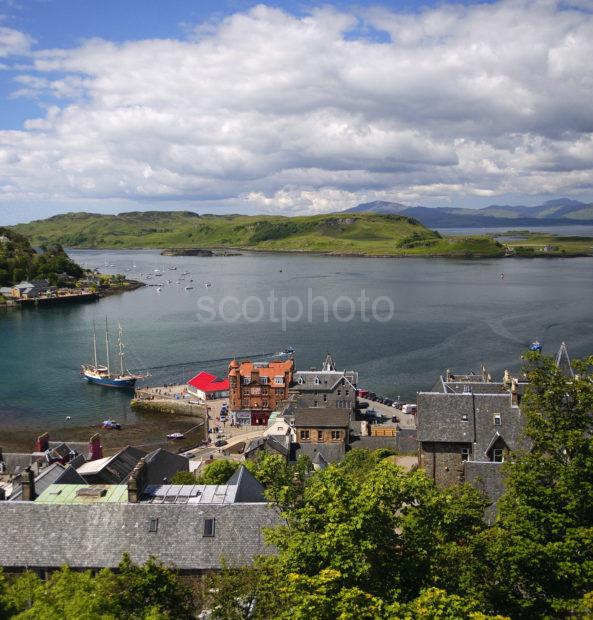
(257,389)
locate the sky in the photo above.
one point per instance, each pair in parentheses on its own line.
(292,107)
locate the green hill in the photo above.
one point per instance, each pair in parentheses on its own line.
(353,233)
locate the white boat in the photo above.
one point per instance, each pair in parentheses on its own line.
(207,284)
(185,273)
(159,289)
(173,268)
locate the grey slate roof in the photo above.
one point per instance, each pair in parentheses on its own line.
(331,452)
(305,380)
(323,417)
(54,473)
(16,462)
(278,443)
(162,464)
(249,489)
(80,447)
(97,535)
(113,470)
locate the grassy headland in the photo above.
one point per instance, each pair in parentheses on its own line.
(366,234)
(528,244)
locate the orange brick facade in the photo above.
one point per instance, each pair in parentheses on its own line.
(259,388)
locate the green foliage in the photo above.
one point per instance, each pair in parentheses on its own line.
(424,239)
(217,472)
(183,477)
(18,261)
(541,550)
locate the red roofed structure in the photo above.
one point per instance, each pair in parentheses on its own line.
(206,386)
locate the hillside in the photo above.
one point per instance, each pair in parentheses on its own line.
(19,261)
(357,233)
(562,211)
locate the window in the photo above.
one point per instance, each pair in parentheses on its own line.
(336,434)
(314,403)
(497,455)
(209,528)
(279,392)
(263,380)
(317,382)
(153,525)
(279,379)
(347,392)
(319,435)
(497,419)
(464,454)
(301,381)
(339,392)
(304,434)
(467,389)
(325,398)
(246,380)
(264,404)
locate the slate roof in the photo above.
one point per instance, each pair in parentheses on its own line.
(111,469)
(162,464)
(332,452)
(249,489)
(304,380)
(16,462)
(94,536)
(80,447)
(469,418)
(327,417)
(279,443)
(53,474)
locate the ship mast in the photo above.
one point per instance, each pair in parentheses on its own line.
(95,344)
(120,345)
(107,346)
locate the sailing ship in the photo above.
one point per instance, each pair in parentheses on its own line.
(101,374)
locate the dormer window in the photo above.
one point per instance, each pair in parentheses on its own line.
(497,419)
(246,380)
(209,528)
(279,379)
(263,380)
(301,381)
(153,525)
(317,381)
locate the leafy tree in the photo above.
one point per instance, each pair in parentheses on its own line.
(218,472)
(152,589)
(183,477)
(538,561)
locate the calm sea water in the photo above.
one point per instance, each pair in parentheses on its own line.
(447,314)
(575,230)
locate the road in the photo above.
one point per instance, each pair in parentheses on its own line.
(406,420)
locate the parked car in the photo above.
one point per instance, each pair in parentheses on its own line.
(174,436)
(388,402)
(220,442)
(372,396)
(362,405)
(409,408)
(394,419)
(397,404)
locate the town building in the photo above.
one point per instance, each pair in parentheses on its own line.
(258,388)
(32,289)
(327,387)
(194,528)
(207,387)
(322,431)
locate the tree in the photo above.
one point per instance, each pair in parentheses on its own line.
(538,561)
(152,589)
(183,477)
(218,472)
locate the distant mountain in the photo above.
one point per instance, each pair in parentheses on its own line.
(562,211)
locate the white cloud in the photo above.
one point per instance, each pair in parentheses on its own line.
(268,111)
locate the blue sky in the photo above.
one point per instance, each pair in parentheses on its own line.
(291,107)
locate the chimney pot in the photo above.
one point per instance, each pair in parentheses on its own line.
(28,485)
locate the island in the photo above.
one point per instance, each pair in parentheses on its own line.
(183,233)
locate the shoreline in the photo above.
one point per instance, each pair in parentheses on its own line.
(350,254)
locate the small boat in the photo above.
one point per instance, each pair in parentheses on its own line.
(101,374)
(156,275)
(111,425)
(189,288)
(174,436)
(159,289)
(535,346)
(173,268)
(185,273)
(207,284)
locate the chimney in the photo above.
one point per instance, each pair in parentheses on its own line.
(28,485)
(507,379)
(95,448)
(42,443)
(137,482)
(514,395)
